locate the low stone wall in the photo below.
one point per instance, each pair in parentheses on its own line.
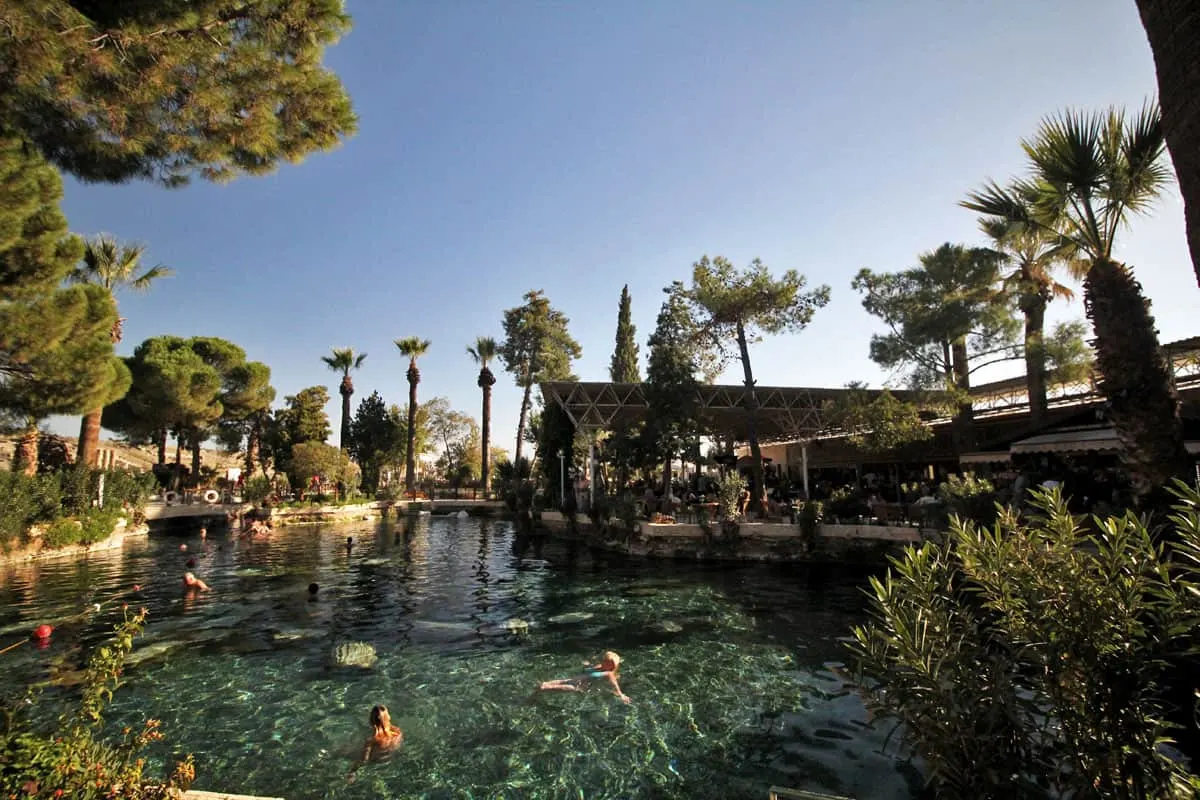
(36,550)
(307,515)
(755,541)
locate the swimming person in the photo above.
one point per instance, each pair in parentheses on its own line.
(606,670)
(385,737)
(192,583)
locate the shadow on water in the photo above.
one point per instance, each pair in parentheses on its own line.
(726,664)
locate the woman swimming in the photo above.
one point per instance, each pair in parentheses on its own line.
(606,670)
(385,737)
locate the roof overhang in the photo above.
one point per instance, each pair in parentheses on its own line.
(784,413)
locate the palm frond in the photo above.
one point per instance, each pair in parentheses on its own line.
(484,350)
(413,346)
(142,282)
(344,360)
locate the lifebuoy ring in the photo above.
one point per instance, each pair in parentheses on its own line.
(212,496)
(170,498)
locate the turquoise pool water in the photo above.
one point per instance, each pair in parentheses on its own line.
(729,668)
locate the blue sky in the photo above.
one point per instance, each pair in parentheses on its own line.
(578,147)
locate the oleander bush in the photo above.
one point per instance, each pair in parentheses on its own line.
(1031,659)
(75,757)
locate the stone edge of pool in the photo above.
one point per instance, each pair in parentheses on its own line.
(780,542)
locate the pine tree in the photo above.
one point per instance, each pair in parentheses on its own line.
(56,352)
(624,366)
(110,90)
(671,387)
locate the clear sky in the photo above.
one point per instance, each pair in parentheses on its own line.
(577,147)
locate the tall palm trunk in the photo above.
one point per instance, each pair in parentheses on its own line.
(1137,382)
(756,469)
(1173,28)
(410,467)
(1033,306)
(195,445)
(486,381)
(25,457)
(964,428)
(89,438)
(346,389)
(522,420)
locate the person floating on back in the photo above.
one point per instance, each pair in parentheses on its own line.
(606,671)
(385,737)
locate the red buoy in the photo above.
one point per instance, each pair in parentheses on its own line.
(42,632)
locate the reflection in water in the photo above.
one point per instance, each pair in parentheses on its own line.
(727,665)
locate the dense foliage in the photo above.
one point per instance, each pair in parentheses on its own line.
(1029,659)
(64,503)
(75,759)
(110,90)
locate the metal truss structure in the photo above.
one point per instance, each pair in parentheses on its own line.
(784,413)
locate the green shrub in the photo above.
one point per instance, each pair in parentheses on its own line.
(1029,659)
(257,489)
(969,497)
(809,520)
(74,759)
(729,494)
(847,503)
(62,532)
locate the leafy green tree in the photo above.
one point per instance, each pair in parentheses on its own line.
(376,435)
(1029,659)
(738,305)
(877,424)
(110,90)
(537,347)
(56,351)
(344,360)
(246,410)
(412,348)
(302,419)
(1173,28)
(1069,358)
(114,268)
(556,434)
(482,353)
(946,319)
(624,365)
(1033,255)
(671,388)
(317,459)
(1087,174)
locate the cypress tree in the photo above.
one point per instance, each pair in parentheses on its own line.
(56,352)
(671,386)
(624,366)
(110,90)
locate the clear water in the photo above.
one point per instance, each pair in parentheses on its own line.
(729,667)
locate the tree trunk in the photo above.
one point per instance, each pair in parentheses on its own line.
(486,381)
(161,436)
(521,420)
(1173,28)
(253,446)
(964,428)
(347,389)
(410,467)
(89,439)
(1135,380)
(25,457)
(195,444)
(1034,308)
(758,499)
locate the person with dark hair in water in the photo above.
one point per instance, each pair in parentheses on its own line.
(385,737)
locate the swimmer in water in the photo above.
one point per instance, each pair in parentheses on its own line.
(385,737)
(606,671)
(192,583)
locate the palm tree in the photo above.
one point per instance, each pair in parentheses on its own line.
(1034,254)
(412,348)
(113,267)
(344,360)
(482,352)
(1088,172)
(1173,27)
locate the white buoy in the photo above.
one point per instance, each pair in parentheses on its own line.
(462,514)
